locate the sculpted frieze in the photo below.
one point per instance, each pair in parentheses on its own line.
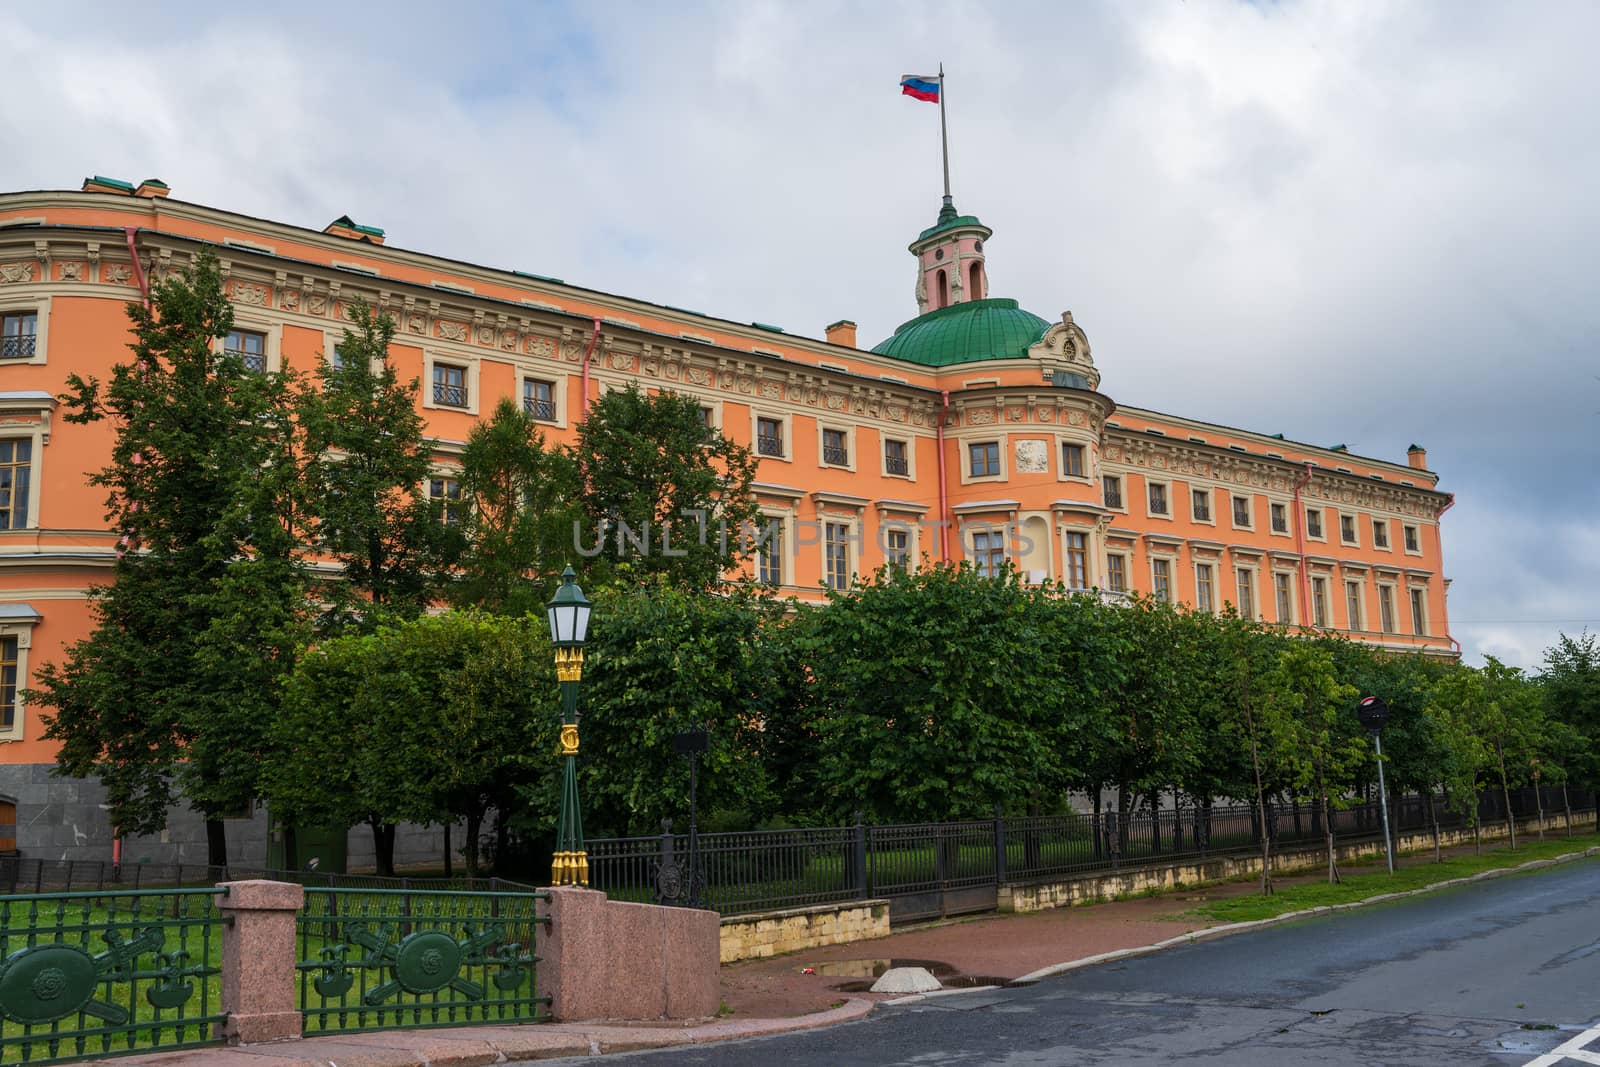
(450,331)
(116,274)
(11,273)
(71,272)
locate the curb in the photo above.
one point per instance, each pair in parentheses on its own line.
(1288,916)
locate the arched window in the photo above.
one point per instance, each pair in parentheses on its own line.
(944,291)
(975,289)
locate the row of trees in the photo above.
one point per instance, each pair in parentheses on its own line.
(265,511)
(915,696)
(267,635)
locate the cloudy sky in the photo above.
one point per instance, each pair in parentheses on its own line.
(1347,221)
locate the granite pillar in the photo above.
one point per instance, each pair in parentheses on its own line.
(259,990)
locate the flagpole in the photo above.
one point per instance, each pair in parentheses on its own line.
(944,139)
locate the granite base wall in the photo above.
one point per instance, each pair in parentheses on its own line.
(62,819)
(773,933)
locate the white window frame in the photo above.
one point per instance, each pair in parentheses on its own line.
(1393,622)
(1210,566)
(1415,528)
(1354,540)
(1087,477)
(1322,522)
(1123,558)
(255,322)
(1288,586)
(20,627)
(1088,559)
(1326,622)
(1002,444)
(1172,576)
(786,422)
(558,383)
(1253,572)
(1357,623)
(852,557)
(911,456)
(1288,527)
(1388,535)
(785,520)
(1166,491)
(1122,492)
(39,435)
(469,364)
(14,300)
(1414,592)
(1211,504)
(849,445)
(969,541)
(1249,510)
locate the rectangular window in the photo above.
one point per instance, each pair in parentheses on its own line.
(1241,512)
(1319,601)
(1158,498)
(1077,561)
(1072,465)
(835,448)
(1204,595)
(539,399)
(1113,490)
(1419,612)
(1282,589)
(1386,608)
(897,546)
(989,551)
(8,682)
(1347,529)
(705,416)
(1247,593)
(1117,573)
(16,479)
(1161,579)
(446,492)
(769,437)
(19,334)
(983,460)
(769,553)
(1200,504)
(449,385)
(250,346)
(836,555)
(1280,519)
(1380,533)
(1313,522)
(1413,542)
(1352,604)
(895,458)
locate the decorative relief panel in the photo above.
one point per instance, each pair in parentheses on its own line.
(416,324)
(117,274)
(540,346)
(980,417)
(450,331)
(289,300)
(11,273)
(248,293)
(1033,457)
(71,272)
(317,304)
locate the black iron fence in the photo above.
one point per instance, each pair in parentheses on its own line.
(943,868)
(19,874)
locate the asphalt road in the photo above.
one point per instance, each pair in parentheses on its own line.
(1498,973)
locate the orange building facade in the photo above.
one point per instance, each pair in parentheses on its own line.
(977,430)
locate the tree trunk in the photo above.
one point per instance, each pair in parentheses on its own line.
(291,847)
(382,845)
(1099,823)
(447,850)
(502,838)
(1433,816)
(1566,802)
(1505,791)
(216,844)
(1124,803)
(474,830)
(1538,807)
(1333,867)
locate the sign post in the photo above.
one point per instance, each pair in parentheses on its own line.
(1373,713)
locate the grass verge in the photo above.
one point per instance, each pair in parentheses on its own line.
(1361,880)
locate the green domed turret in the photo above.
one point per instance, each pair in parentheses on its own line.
(967,332)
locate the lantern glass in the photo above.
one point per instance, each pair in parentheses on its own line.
(568,612)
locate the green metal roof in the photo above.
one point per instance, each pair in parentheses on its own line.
(949,224)
(965,333)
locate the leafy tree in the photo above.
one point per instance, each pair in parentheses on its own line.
(1571,686)
(1316,739)
(518,515)
(203,614)
(426,721)
(652,464)
(366,462)
(930,693)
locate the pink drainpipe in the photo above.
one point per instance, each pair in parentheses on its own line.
(1300,542)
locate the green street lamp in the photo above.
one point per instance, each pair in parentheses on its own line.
(568,613)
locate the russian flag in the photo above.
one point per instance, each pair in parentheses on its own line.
(920,87)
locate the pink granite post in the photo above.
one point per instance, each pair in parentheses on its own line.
(258,958)
(602,959)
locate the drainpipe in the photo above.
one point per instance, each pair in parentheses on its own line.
(1448,504)
(1300,542)
(138,267)
(944,496)
(587,352)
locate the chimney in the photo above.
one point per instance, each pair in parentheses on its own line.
(1417,456)
(842,332)
(99,184)
(344,226)
(152,187)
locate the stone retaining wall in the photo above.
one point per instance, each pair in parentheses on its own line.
(1102,886)
(772,933)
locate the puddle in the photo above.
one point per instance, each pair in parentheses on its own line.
(865,972)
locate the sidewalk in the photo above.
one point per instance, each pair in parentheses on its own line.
(772,996)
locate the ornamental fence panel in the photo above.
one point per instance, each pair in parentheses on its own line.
(382,958)
(928,869)
(90,974)
(19,874)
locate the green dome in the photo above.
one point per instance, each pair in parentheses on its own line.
(965,333)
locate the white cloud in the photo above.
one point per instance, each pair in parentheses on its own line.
(1369,223)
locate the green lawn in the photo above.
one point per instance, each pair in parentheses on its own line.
(1368,878)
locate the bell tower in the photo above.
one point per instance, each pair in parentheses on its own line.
(950,264)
